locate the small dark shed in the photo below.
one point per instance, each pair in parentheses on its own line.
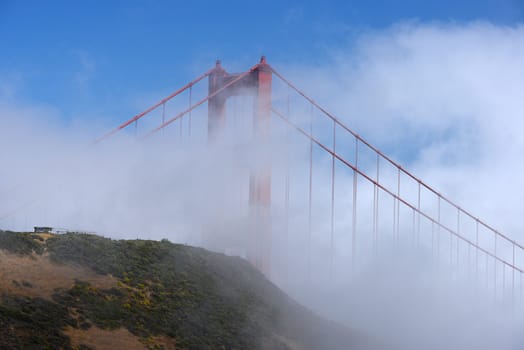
(42,229)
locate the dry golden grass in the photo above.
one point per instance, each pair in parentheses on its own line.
(115,339)
(37,276)
(104,340)
(45,236)
(43,276)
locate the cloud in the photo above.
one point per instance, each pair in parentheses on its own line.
(445,100)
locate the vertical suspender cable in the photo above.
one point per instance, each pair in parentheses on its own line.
(398,204)
(376,204)
(189,116)
(233,119)
(469,263)
(394,219)
(354,214)
(286,212)
(433,240)
(495,269)
(451,253)
(163,115)
(374,220)
(477,249)
(458,243)
(513,276)
(413,226)
(438,229)
(487,272)
(418,215)
(310,194)
(180,126)
(332,247)
(521,291)
(503,293)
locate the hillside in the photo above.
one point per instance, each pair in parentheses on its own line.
(80,291)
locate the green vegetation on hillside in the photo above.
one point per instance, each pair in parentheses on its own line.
(20,243)
(164,289)
(197,297)
(33,323)
(202,300)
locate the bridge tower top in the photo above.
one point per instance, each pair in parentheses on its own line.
(256,83)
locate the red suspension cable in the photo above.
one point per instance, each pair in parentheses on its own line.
(210,96)
(392,162)
(161,102)
(357,170)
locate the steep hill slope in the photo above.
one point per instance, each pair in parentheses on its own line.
(79,291)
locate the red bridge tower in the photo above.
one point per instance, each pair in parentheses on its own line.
(258,84)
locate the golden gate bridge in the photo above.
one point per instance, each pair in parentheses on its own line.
(312,177)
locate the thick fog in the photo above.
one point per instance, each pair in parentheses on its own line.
(444,100)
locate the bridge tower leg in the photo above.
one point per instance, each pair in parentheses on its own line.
(216,107)
(260,179)
(257,83)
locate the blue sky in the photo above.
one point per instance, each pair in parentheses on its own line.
(92,57)
(431,83)
(438,85)
(434,84)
